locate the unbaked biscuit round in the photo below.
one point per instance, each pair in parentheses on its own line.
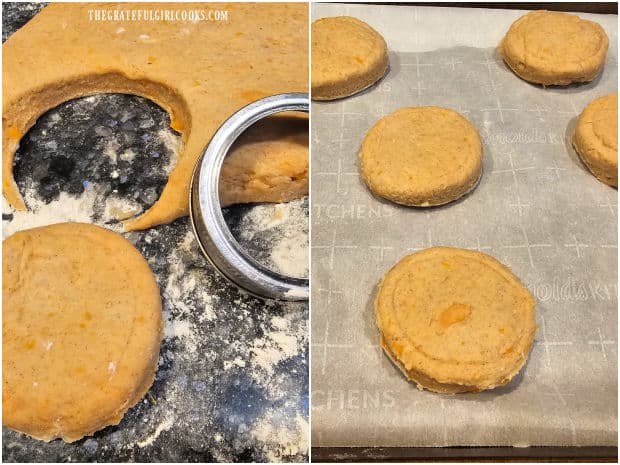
(455,320)
(81,329)
(553,48)
(422,156)
(347,56)
(596,138)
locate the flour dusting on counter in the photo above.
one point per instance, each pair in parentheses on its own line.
(276,429)
(66,208)
(173,143)
(165,425)
(273,347)
(290,254)
(277,235)
(260,349)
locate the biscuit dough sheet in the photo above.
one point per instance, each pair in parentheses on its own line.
(537,209)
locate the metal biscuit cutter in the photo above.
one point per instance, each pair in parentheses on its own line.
(215,239)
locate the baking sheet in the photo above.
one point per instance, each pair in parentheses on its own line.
(537,209)
(232,380)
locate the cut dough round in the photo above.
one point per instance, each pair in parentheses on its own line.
(422,156)
(596,138)
(455,320)
(552,48)
(347,56)
(81,328)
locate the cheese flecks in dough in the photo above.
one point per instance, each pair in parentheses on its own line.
(554,48)
(422,156)
(347,56)
(596,138)
(455,320)
(82,326)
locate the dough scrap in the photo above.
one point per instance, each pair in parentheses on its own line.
(596,138)
(251,171)
(422,156)
(455,320)
(347,56)
(81,329)
(553,48)
(201,72)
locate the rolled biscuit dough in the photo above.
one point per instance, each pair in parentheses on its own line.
(455,320)
(596,138)
(553,48)
(422,156)
(347,56)
(81,330)
(199,71)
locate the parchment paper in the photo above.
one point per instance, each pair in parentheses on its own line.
(537,209)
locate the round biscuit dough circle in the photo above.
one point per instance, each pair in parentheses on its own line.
(422,156)
(596,138)
(553,48)
(455,320)
(82,327)
(347,57)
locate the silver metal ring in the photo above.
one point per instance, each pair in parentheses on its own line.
(215,239)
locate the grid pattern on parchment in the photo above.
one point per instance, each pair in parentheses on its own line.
(537,209)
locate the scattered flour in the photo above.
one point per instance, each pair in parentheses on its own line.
(266,356)
(238,362)
(165,425)
(185,295)
(280,323)
(173,143)
(128,155)
(189,292)
(290,255)
(280,438)
(208,313)
(179,328)
(288,244)
(275,346)
(268,216)
(110,150)
(296,294)
(65,209)
(122,209)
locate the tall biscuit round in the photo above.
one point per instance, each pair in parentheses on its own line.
(553,48)
(422,156)
(81,325)
(596,138)
(347,56)
(455,320)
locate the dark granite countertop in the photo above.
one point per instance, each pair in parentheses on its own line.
(232,382)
